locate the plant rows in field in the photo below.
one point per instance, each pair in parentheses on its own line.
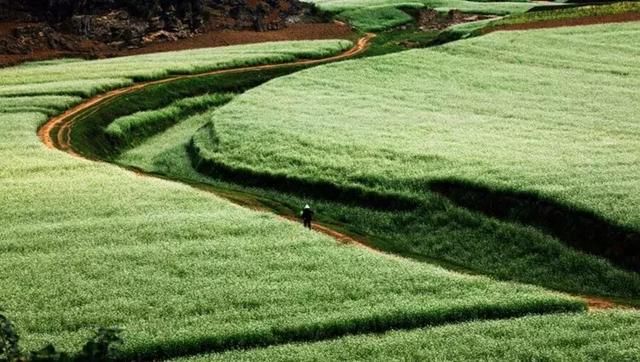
(431,232)
(87,244)
(565,337)
(143,123)
(88,78)
(569,161)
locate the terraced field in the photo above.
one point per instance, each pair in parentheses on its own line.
(604,336)
(87,244)
(412,153)
(496,136)
(376,15)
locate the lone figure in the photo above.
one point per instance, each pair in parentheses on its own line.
(307,216)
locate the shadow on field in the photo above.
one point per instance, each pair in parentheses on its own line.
(331,329)
(580,229)
(204,163)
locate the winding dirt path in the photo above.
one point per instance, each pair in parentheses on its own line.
(56,134)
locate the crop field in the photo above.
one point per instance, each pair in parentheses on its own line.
(86,244)
(604,336)
(376,15)
(134,126)
(451,127)
(492,183)
(95,76)
(489,7)
(436,126)
(180,270)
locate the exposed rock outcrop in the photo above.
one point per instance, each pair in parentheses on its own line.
(62,24)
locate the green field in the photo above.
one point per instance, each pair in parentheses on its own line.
(86,244)
(486,116)
(376,15)
(402,132)
(491,171)
(604,336)
(480,7)
(95,76)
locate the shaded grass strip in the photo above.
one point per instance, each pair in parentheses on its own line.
(580,229)
(204,161)
(331,329)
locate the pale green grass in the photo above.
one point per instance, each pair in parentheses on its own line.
(45,104)
(152,66)
(84,88)
(554,112)
(571,13)
(602,336)
(375,15)
(86,244)
(156,154)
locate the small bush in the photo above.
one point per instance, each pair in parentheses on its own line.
(100,348)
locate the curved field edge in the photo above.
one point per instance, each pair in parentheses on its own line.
(435,232)
(297,152)
(86,244)
(414,230)
(609,336)
(64,78)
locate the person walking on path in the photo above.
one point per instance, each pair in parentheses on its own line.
(307,216)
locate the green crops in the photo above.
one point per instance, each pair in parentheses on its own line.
(87,244)
(376,15)
(95,76)
(485,122)
(492,110)
(141,124)
(603,336)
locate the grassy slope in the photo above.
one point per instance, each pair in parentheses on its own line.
(603,336)
(403,132)
(86,245)
(590,12)
(22,79)
(492,110)
(375,15)
(571,13)
(453,237)
(139,124)
(498,7)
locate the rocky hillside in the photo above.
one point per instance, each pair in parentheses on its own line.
(62,24)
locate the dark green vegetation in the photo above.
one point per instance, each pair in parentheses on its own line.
(602,336)
(102,346)
(87,244)
(523,229)
(93,138)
